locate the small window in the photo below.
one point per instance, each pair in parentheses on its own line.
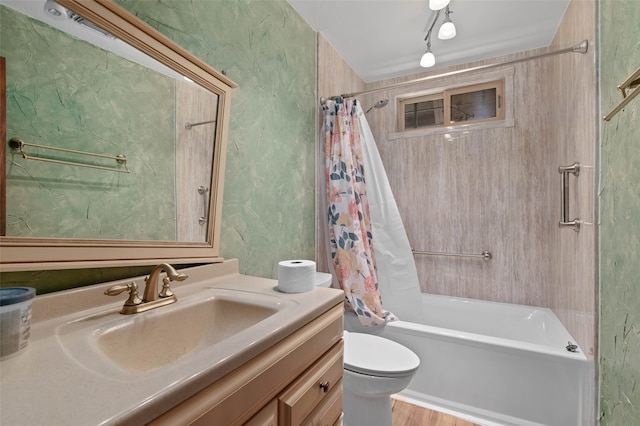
(424,112)
(480,102)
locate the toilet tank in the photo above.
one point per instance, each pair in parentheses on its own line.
(351,322)
(323,279)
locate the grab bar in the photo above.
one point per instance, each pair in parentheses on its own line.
(19,144)
(564,195)
(202,190)
(485,255)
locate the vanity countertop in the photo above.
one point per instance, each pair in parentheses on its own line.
(48,384)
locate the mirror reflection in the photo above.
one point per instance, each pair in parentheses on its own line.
(95,95)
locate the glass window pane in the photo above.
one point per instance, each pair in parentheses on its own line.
(424,114)
(410,120)
(476,105)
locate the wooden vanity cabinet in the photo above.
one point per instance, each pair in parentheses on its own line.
(296,382)
(268,416)
(313,395)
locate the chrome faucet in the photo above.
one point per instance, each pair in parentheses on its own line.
(152,298)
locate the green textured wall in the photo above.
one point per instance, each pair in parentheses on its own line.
(620,219)
(67,93)
(269,51)
(269,198)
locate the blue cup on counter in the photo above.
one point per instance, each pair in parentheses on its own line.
(15,320)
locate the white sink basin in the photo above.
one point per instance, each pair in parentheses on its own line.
(144,342)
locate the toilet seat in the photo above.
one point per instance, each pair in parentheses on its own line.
(377,356)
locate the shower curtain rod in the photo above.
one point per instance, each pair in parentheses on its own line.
(581,47)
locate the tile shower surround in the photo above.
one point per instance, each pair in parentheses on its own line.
(498,189)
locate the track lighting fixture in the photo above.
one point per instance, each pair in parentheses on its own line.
(428,59)
(438,4)
(447,31)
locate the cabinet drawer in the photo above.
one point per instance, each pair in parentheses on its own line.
(339,421)
(311,389)
(268,416)
(329,411)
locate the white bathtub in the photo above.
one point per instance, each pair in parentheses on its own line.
(495,363)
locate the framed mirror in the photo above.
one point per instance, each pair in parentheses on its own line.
(115,141)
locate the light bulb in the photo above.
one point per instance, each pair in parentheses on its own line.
(54,10)
(428,59)
(447,30)
(438,4)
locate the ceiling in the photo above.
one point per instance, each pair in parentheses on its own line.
(381,39)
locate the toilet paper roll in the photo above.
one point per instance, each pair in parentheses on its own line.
(296,276)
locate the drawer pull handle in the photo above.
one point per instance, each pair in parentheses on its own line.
(325,386)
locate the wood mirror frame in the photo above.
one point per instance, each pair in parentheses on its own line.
(24,254)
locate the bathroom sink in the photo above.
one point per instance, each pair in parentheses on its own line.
(144,342)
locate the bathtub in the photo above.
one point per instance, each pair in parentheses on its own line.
(495,363)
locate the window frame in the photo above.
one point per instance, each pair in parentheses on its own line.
(498,85)
(446,94)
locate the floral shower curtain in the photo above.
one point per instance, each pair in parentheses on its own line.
(349,220)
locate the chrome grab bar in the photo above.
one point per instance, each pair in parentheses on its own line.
(188,125)
(564,195)
(485,255)
(202,190)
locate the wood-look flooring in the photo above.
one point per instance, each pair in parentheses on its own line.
(406,414)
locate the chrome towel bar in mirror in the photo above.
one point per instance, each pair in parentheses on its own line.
(18,144)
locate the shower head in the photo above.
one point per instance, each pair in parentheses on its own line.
(380,104)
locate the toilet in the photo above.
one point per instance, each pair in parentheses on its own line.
(374,369)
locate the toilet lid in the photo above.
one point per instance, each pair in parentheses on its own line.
(377,356)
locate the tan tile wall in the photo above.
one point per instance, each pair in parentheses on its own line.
(466,191)
(572,293)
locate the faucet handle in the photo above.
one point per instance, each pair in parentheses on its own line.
(172,275)
(132,287)
(166,289)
